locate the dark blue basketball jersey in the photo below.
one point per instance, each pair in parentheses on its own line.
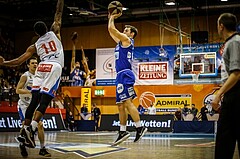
(77,76)
(124,56)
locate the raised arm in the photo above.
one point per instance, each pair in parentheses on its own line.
(85,63)
(24,57)
(114,33)
(73,53)
(56,26)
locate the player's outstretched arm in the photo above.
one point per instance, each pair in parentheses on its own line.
(114,32)
(1,60)
(56,26)
(85,62)
(111,28)
(19,60)
(73,56)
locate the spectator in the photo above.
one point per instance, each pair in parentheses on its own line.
(204,112)
(141,109)
(11,93)
(96,115)
(84,112)
(194,111)
(178,114)
(70,121)
(210,109)
(151,109)
(65,80)
(186,110)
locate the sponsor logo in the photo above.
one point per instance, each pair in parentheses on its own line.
(150,123)
(131,91)
(165,102)
(156,70)
(123,96)
(86,97)
(161,123)
(11,122)
(44,67)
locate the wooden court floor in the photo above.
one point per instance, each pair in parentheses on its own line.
(97,145)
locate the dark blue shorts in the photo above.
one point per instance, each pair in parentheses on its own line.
(124,86)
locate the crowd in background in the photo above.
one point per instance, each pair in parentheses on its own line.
(10,76)
(197,115)
(182,113)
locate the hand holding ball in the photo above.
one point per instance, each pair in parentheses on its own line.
(1,60)
(74,36)
(115,7)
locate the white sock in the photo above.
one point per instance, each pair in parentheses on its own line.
(42,145)
(138,124)
(34,125)
(123,127)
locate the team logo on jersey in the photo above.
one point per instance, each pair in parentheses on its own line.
(116,55)
(129,55)
(120,88)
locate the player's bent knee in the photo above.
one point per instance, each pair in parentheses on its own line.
(121,107)
(44,102)
(42,108)
(40,125)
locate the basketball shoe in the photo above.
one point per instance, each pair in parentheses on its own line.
(27,137)
(43,152)
(122,136)
(23,150)
(140,132)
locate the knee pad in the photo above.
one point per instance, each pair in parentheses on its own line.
(44,102)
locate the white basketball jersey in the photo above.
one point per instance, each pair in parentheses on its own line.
(26,98)
(50,49)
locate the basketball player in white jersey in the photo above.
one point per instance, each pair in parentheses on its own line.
(24,87)
(47,77)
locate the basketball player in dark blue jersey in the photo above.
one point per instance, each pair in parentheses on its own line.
(125,78)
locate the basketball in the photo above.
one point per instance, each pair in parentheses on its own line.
(146,98)
(74,35)
(115,7)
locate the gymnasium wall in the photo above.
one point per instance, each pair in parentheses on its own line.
(167,98)
(92,37)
